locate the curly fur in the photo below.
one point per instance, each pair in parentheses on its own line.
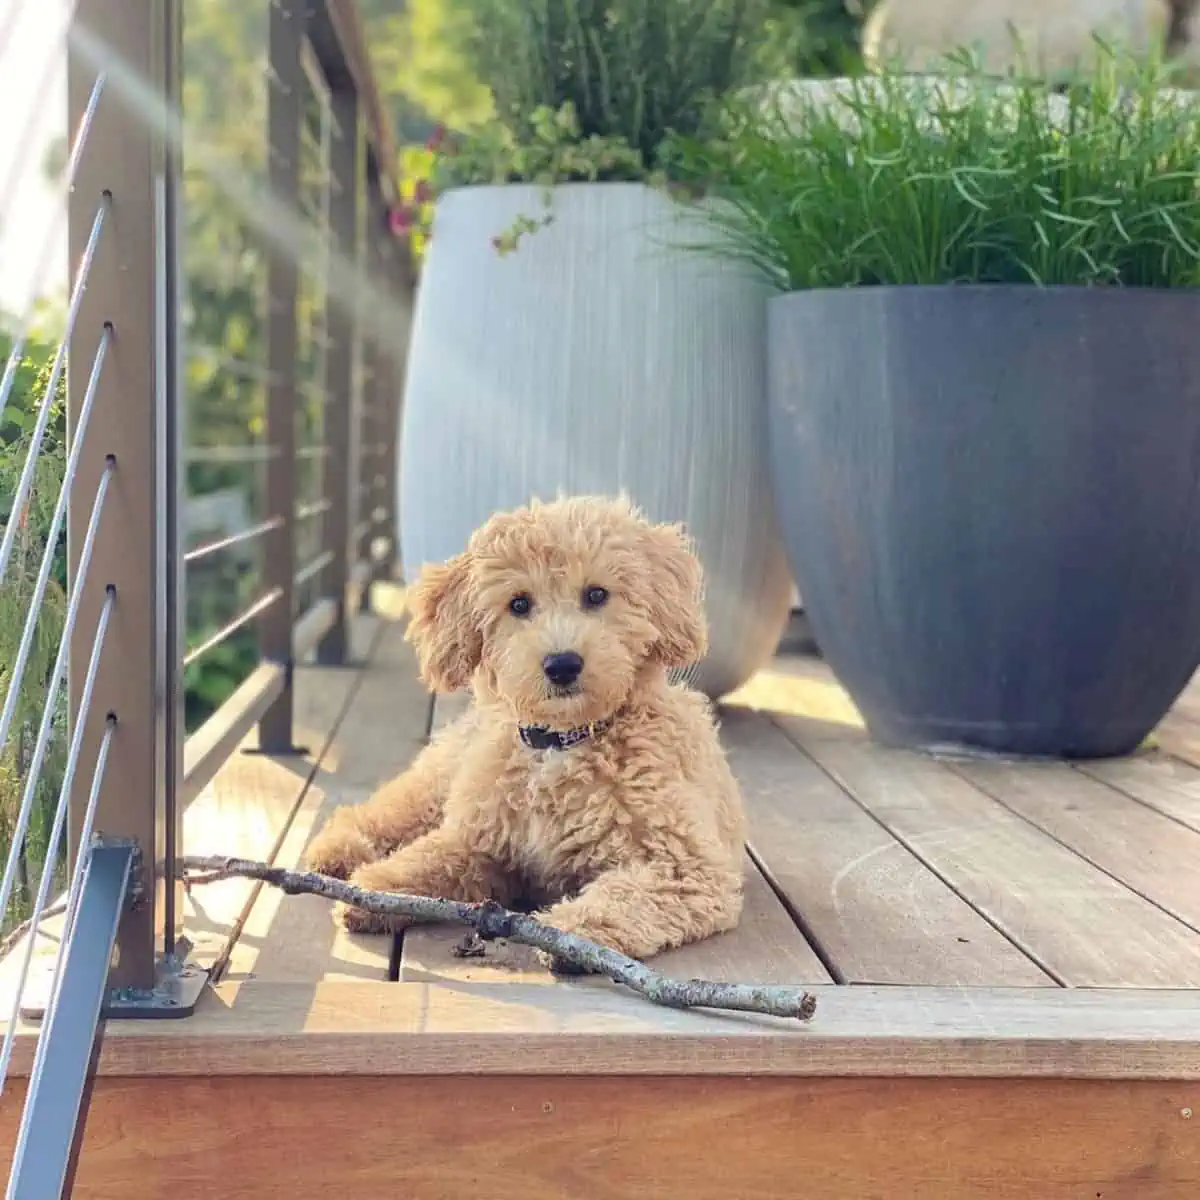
(632,838)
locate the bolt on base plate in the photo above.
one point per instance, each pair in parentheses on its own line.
(176,992)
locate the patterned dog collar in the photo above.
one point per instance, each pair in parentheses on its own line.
(540,737)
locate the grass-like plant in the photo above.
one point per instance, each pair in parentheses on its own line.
(588,91)
(631,71)
(961,178)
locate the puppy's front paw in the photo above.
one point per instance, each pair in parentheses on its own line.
(580,928)
(339,849)
(357,920)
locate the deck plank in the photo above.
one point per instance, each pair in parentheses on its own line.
(766,947)
(314,1000)
(877,912)
(604,1138)
(1081,925)
(375,1028)
(1141,847)
(1167,784)
(294,938)
(250,805)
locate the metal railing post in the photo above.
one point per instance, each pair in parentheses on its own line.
(131,450)
(395,356)
(366,423)
(286,38)
(341,465)
(374,386)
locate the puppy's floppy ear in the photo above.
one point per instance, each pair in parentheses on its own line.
(443,628)
(673,589)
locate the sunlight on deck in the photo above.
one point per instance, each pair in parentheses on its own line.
(797,687)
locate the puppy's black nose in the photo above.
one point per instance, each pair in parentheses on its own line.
(562,669)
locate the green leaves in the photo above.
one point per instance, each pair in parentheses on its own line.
(16,596)
(896,179)
(556,151)
(591,89)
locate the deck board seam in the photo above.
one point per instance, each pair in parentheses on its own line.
(1184,760)
(1183,757)
(798,919)
(1124,883)
(1116,787)
(1030,954)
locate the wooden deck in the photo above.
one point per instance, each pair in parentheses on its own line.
(1007,962)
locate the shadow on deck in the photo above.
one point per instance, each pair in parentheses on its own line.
(1007,961)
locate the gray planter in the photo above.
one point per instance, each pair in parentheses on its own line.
(596,358)
(991,498)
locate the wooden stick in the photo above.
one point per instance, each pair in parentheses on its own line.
(491,920)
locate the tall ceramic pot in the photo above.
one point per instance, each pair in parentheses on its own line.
(991,496)
(597,357)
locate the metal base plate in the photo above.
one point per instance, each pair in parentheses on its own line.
(290,752)
(176,993)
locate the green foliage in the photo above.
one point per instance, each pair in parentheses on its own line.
(225,94)
(225,97)
(591,90)
(31,386)
(819,38)
(420,52)
(967,179)
(209,682)
(416,51)
(553,148)
(632,70)
(584,89)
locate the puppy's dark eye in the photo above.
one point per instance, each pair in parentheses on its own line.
(594,597)
(520,606)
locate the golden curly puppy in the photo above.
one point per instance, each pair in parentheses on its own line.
(580,779)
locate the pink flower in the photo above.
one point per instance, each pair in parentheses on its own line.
(400,220)
(422,193)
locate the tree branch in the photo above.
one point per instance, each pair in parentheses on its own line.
(490,921)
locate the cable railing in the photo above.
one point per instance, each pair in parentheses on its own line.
(98,936)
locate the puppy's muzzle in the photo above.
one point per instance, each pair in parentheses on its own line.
(563,670)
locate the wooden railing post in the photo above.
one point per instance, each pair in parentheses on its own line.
(128,574)
(286,38)
(341,424)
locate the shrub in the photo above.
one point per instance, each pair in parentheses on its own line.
(895,179)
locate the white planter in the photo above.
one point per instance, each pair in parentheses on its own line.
(596,358)
(1051,37)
